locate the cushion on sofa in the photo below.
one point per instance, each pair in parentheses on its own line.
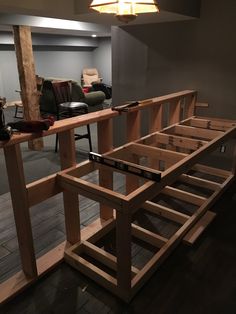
(47,101)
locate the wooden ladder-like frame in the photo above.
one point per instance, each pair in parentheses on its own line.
(176,149)
(194,143)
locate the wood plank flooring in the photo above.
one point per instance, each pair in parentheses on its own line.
(200,280)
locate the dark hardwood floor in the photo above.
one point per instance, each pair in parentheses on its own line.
(199,279)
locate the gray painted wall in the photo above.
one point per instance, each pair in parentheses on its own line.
(102,59)
(59,62)
(9,79)
(157,59)
(162,58)
(67,64)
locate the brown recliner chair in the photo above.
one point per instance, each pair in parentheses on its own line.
(90,76)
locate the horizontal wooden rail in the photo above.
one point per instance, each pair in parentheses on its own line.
(155,152)
(74,122)
(196,132)
(42,189)
(212,171)
(103,257)
(165,212)
(163,99)
(211,124)
(202,183)
(184,196)
(178,141)
(62,125)
(148,236)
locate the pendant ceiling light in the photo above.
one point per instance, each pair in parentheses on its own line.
(125,10)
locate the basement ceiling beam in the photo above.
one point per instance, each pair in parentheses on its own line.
(6,38)
(39,23)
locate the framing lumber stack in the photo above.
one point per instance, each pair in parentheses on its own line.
(175,151)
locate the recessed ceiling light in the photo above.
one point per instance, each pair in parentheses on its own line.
(94,35)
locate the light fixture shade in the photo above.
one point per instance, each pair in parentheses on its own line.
(124,7)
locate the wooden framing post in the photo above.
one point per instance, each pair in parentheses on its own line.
(174,112)
(133,126)
(27,77)
(190,105)
(155,124)
(20,206)
(71,200)
(133,133)
(123,245)
(155,118)
(105,140)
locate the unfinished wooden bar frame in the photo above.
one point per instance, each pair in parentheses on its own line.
(126,205)
(185,143)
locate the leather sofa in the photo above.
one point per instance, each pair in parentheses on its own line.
(94,100)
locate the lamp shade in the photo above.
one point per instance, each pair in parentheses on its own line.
(124,7)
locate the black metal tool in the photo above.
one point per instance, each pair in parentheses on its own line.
(126,106)
(125,166)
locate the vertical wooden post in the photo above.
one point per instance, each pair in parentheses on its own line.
(71,199)
(155,118)
(174,117)
(155,124)
(27,77)
(20,206)
(191,101)
(133,133)
(174,112)
(105,140)
(133,126)
(123,244)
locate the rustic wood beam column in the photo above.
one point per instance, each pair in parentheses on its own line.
(27,77)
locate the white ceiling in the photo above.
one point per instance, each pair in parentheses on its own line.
(80,21)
